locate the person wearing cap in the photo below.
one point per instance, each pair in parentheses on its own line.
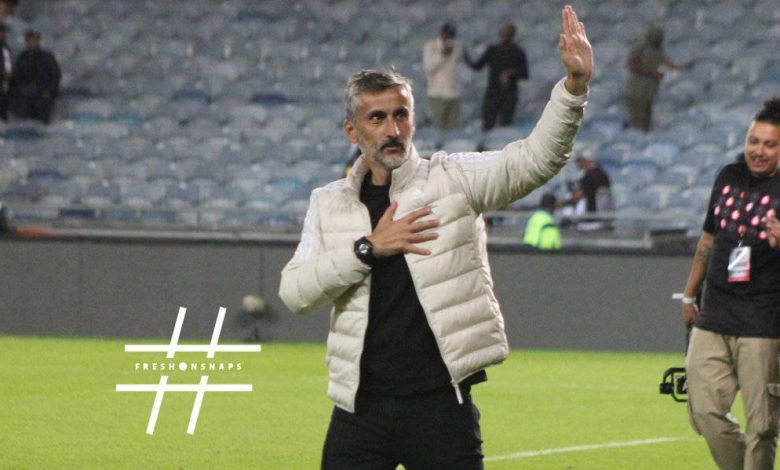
(646,64)
(6,70)
(441,57)
(36,81)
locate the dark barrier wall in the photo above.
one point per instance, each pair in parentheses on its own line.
(132,289)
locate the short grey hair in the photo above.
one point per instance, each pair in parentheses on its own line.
(372,81)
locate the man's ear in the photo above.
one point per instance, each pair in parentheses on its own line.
(350,131)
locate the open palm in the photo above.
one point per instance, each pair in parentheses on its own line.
(576,51)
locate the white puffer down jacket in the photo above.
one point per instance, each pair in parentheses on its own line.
(453,283)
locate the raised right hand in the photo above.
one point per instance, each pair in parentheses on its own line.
(391,237)
(576,52)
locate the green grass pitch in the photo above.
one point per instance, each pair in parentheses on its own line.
(540,410)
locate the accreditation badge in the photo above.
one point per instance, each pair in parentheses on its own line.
(739,264)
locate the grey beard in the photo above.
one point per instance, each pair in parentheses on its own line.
(388,163)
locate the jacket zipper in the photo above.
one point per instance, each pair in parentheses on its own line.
(458,393)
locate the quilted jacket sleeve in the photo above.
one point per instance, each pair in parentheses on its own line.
(314,277)
(495,179)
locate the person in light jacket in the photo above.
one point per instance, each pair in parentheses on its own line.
(398,247)
(441,57)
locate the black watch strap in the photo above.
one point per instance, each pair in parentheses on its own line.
(364,250)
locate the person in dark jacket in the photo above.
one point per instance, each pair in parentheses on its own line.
(507,64)
(6,69)
(36,81)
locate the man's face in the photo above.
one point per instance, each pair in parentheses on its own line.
(762,148)
(32,43)
(383,127)
(506,33)
(6,8)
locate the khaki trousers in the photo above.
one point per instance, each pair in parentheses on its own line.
(445,113)
(717,367)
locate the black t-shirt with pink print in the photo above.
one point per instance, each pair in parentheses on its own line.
(738,206)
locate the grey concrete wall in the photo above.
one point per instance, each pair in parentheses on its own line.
(132,289)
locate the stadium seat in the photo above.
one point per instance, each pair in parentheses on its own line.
(269,99)
(247,95)
(43,176)
(661,153)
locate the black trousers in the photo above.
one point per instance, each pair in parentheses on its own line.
(35,107)
(498,105)
(427,431)
(3,104)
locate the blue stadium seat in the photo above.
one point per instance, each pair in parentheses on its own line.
(270,99)
(23,132)
(233,95)
(44,176)
(192,96)
(662,153)
(21,191)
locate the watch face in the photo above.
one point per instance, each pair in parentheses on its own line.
(364,248)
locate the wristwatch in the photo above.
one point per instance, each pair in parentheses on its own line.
(364,250)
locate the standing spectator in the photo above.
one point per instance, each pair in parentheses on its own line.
(6,70)
(646,64)
(36,81)
(441,57)
(541,231)
(507,64)
(15,26)
(735,341)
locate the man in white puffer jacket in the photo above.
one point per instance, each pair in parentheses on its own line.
(399,248)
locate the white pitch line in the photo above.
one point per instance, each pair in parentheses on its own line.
(574,386)
(582,448)
(192,348)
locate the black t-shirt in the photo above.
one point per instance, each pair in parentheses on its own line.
(500,57)
(400,354)
(591,181)
(738,203)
